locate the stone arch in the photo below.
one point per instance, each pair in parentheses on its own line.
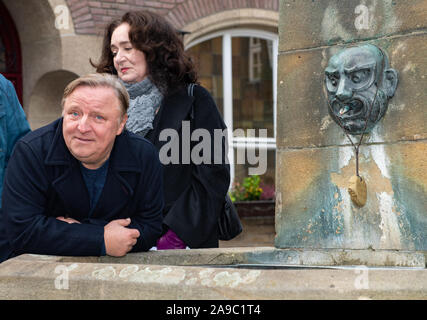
(192,10)
(41,43)
(254,18)
(45,101)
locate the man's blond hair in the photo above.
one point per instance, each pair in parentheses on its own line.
(96,80)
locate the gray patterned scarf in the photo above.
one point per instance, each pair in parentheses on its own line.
(145,99)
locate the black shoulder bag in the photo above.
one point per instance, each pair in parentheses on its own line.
(229,225)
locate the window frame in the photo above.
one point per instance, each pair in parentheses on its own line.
(227,35)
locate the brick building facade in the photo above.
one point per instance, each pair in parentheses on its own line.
(90,16)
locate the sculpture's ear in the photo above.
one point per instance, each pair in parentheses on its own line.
(390,82)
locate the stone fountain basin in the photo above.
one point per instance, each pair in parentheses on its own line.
(228,273)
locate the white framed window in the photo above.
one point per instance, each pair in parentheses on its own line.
(239,68)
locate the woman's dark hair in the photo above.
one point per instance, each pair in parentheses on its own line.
(168,64)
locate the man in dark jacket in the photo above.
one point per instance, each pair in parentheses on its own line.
(82,185)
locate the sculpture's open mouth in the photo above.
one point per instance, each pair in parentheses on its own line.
(348,110)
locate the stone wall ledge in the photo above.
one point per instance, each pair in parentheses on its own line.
(230,273)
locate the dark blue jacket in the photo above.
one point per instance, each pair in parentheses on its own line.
(44,181)
(13,124)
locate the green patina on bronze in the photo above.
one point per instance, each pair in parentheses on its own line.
(359,83)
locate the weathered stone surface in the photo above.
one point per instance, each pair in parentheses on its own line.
(194,257)
(308,24)
(315,160)
(314,210)
(41,277)
(303,119)
(337,257)
(261,256)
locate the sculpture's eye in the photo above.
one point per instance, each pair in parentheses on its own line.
(360,75)
(333,79)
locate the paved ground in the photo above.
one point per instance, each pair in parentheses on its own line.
(257,232)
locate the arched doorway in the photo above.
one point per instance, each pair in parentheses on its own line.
(44,105)
(10,51)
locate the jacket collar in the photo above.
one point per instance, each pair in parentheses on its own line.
(175,108)
(58,153)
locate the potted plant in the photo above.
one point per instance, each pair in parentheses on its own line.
(253,198)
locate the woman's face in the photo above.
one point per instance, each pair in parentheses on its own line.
(129,62)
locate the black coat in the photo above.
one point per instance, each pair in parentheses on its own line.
(194,193)
(44,181)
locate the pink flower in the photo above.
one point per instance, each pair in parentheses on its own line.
(268,192)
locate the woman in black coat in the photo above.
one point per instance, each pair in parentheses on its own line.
(182,121)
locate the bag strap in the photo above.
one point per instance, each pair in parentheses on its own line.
(190,92)
(190,89)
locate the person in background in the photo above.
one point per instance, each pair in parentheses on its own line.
(147,54)
(13,124)
(82,185)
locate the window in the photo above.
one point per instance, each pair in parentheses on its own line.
(208,59)
(238,67)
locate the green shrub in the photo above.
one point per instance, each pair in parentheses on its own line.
(248,191)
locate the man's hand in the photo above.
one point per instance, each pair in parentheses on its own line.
(119,240)
(68,220)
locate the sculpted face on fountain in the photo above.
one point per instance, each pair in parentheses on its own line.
(356,78)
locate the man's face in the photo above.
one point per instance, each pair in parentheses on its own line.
(92,120)
(351,82)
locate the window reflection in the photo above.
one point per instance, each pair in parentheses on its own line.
(252,84)
(208,59)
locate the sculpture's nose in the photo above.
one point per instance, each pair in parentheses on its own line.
(343,92)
